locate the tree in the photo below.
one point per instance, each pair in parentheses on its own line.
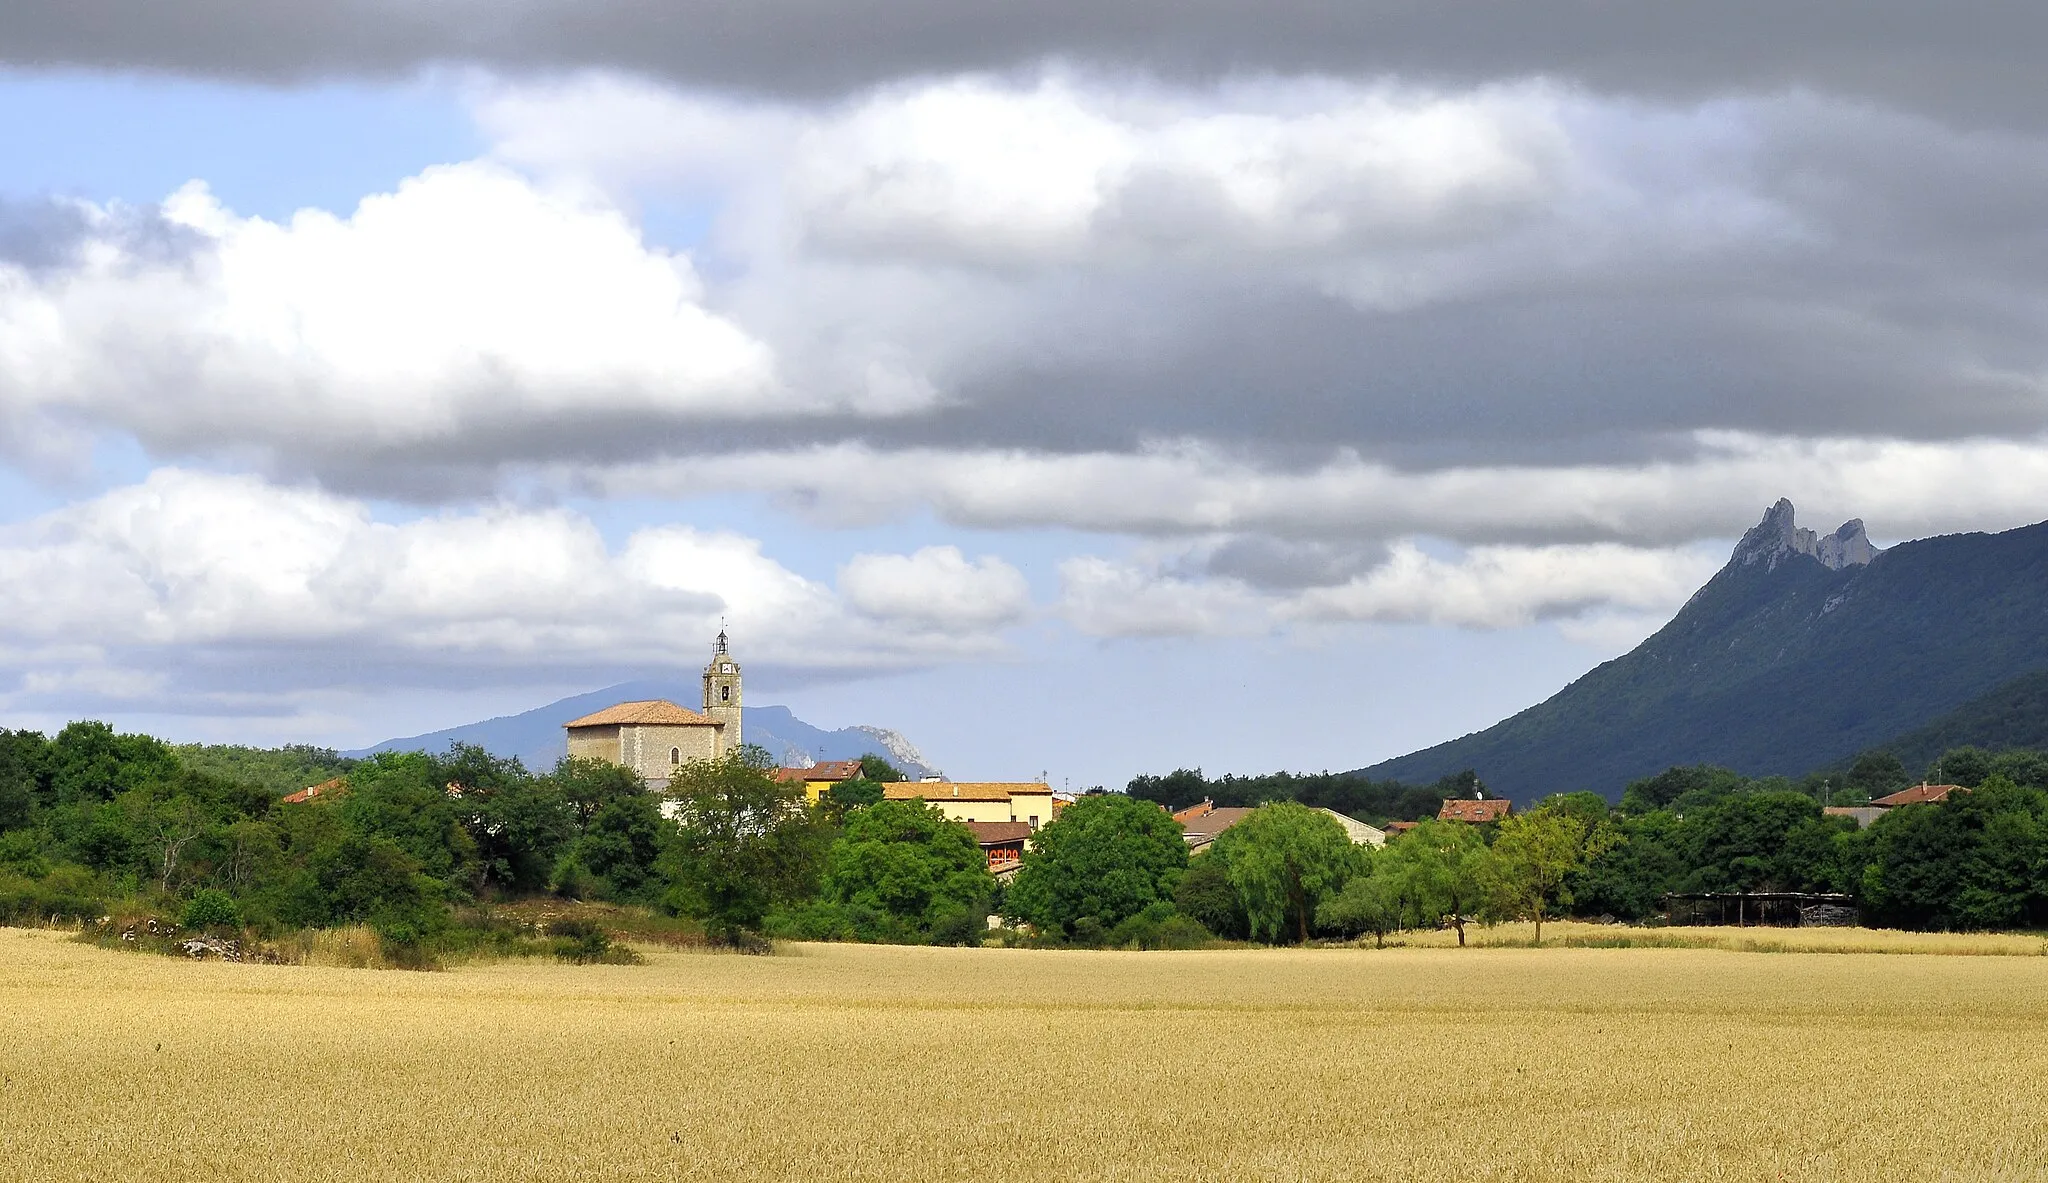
(404,796)
(1966,766)
(1283,858)
(745,844)
(1370,901)
(1440,869)
(1206,894)
(1630,878)
(1977,860)
(849,795)
(1758,841)
(1105,859)
(1873,775)
(588,785)
(520,829)
(1535,856)
(880,771)
(172,826)
(909,864)
(622,847)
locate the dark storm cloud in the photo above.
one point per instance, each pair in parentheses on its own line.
(1978,60)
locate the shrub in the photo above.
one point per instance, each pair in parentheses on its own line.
(580,941)
(210,908)
(959,926)
(1181,932)
(1206,896)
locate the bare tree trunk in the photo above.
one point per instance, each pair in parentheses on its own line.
(1458,922)
(1539,924)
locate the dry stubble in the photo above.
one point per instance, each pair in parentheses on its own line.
(888,1063)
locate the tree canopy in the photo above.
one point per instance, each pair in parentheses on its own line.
(1107,857)
(1283,858)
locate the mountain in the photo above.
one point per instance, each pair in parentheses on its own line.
(535,736)
(2012,715)
(1801,651)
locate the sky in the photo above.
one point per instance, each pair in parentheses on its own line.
(1080,389)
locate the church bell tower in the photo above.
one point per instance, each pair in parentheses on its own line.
(722,695)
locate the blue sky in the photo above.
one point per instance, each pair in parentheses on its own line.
(1068,410)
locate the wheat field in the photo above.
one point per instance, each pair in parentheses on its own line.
(847,1062)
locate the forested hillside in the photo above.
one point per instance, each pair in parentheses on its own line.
(1780,665)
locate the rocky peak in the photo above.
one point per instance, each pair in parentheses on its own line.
(1779,536)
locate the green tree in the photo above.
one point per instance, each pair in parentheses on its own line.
(589,785)
(23,757)
(1283,858)
(1371,901)
(1206,894)
(746,844)
(848,795)
(88,762)
(520,828)
(1872,775)
(1630,878)
(1978,860)
(1535,856)
(403,796)
(1105,859)
(875,768)
(1966,766)
(622,846)
(910,865)
(1440,870)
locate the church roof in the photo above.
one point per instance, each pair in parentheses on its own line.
(658,711)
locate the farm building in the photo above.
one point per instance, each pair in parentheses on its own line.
(1778,909)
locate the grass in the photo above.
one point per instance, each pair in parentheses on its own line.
(865,1062)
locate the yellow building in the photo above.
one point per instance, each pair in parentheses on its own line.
(819,777)
(981,801)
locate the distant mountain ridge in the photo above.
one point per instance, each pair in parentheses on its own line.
(535,736)
(1801,651)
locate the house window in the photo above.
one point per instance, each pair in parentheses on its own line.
(675,755)
(1034,821)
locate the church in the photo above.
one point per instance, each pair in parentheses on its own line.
(655,737)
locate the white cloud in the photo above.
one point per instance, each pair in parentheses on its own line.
(1714,485)
(466,307)
(938,589)
(1596,592)
(1503,586)
(189,563)
(1108,599)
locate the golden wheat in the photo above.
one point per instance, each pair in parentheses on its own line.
(898,1063)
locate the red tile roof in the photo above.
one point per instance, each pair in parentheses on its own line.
(1401,827)
(654,711)
(1184,816)
(1918,795)
(999,833)
(335,787)
(1489,809)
